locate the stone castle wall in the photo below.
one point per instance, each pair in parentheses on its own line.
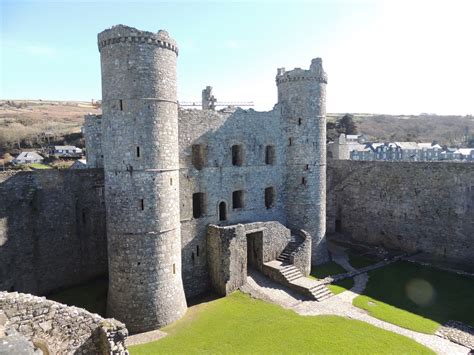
(59,329)
(405,206)
(52,229)
(217,132)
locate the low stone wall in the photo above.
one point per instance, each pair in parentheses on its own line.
(59,328)
(409,206)
(227,251)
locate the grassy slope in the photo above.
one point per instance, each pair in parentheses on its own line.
(239,324)
(386,297)
(332,268)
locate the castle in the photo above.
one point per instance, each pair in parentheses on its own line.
(172,173)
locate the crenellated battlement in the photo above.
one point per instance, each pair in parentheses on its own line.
(315,73)
(124,34)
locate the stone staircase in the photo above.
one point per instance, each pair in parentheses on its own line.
(284,272)
(289,249)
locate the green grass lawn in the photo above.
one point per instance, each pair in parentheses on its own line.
(39,166)
(359,261)
(332,268)
(418,297)
(91,296)
(238,324)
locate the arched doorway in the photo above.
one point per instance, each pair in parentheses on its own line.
(222,211)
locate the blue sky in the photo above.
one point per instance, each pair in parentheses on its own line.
(381,56)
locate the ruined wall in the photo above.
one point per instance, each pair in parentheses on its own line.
(52,229)
(227,252)
(217,132)
(60,329)
(406,206)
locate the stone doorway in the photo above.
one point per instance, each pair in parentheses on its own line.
(222,211)
(254,250)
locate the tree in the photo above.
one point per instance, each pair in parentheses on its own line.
(346,125)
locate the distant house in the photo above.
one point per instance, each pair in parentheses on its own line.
(28,158)
(66,151)
(79,164)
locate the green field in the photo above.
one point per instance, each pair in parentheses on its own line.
(332,268)
(238,324)
(418,297)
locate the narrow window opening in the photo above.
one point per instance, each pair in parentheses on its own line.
(269,197)
(306,167)
(303,181)
(198,156)
(238,199)
(197,250)
(270,155)
(142,204)
(171,181)
(198,205)
(289,141)
(299,121)
(192,256)
(121,105)
(138,152)
(222,211)
(237,155)
(174,268)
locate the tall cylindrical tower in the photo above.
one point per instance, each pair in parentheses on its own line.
(302,98)
(140,146)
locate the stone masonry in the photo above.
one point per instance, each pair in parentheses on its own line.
(141,168)
(170,173)
(55,328)
(408,206)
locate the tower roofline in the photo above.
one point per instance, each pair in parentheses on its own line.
(123,34)
(315,72)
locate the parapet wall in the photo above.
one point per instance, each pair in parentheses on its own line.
(413,206)
(52,229)
(60,329)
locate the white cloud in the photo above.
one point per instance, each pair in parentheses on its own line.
(40,51)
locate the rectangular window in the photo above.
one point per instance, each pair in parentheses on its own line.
(237,155)
(138,152)
(290,141)
(174,268)
(238,199)
(142,204)
(270,155)
(269,197)
(121,105)
(198,156)
(198,204)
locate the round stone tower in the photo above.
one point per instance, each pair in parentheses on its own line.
(140,146)
(302,98)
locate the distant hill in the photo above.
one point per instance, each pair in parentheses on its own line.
(26,124)
(35,124)
(446,130)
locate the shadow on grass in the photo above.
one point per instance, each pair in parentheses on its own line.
(418,297)
(91,296)
(332,268)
